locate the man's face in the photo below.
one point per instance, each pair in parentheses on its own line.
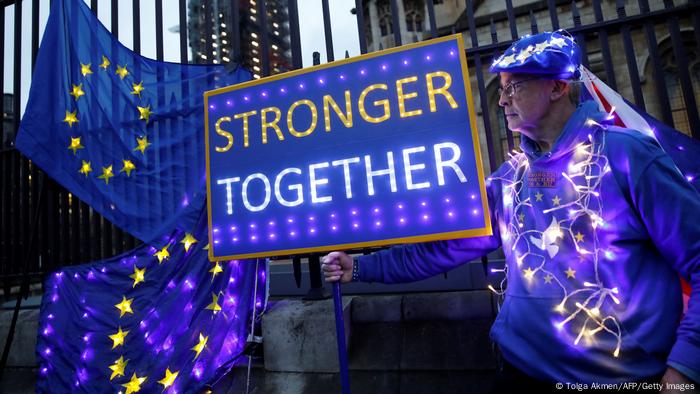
(529,103)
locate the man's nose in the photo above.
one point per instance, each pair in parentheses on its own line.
(503,100)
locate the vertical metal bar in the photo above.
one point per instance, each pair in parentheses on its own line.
(327,31)
(511,20)
(533,23)
(159,30)
(684,76)
(395,25)
(657,68)
(75,255)
(17,59)
(480,82)
(235,30)
(51,208)
(93,6)
(85,235)
(360,16)
(431,17)
(580,37)
(264,39)
(294,34)
(605,46)
(115,18)
(136,26)
(551,5)
(35,30)
(631,57)
(183,31)
(64,218)
(3,131)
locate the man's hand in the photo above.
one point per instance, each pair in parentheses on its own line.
(337,266)
(673,377)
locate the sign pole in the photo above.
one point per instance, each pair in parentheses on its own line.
(340,334)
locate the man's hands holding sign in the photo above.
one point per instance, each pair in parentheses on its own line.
(337,266)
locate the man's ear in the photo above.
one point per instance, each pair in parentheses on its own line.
(559,90)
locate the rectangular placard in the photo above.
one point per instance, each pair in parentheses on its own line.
(373,150)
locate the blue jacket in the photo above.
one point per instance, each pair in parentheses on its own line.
(595,234)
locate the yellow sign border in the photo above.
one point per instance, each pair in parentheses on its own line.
(486,230)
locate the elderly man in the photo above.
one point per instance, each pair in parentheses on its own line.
(595,222)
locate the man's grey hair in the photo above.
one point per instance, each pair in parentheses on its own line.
(575,92)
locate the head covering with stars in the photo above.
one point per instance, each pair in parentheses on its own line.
(549,55)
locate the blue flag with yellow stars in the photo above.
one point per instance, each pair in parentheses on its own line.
(122,132)
(158,319)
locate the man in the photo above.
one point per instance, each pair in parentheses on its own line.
(595,222)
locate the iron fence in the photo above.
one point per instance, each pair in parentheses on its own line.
(68,231)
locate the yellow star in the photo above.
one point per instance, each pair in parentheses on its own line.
(528,273)
(206,247)
(507,61)
(214,306)
(85,168)
(538,196)
(137,88)
(71,117)
(134,385)
(162,254)
(142,144)
(124,306)
(579,236)
(144,113)
(128,167)
(548,278)
(138,276)
(122,71)
(200,345)
(118,367)
(118,338)
(105,62)
(556,200)
(558,41)
(169,378)
(85,69)
(188,241)
(216,270)
(106,174)
(521,217)
(541,47)
(570,273)
(75,144)
(77,91)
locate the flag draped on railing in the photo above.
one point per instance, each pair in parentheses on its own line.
(682,149)
(125,134)
(159,318)
(122,132)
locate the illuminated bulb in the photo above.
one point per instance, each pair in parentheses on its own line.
(492,289)
(560,308)
(589,284)
(595,311)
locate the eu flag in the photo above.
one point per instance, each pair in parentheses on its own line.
(122,132)
(125,134)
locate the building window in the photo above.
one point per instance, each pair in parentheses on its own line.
(385,26)
(679,108)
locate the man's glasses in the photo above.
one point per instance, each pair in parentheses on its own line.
(510,90)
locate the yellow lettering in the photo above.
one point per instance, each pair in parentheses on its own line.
(402,97)
(345,118)
(224,133)
(443,90)
(265,124)
(314,118)
(384,103)
(245,116)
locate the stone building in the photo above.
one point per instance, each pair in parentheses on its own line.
(492,26)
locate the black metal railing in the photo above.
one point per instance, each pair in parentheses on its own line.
(70,232)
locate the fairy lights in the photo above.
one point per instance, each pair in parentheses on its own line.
(588,309)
